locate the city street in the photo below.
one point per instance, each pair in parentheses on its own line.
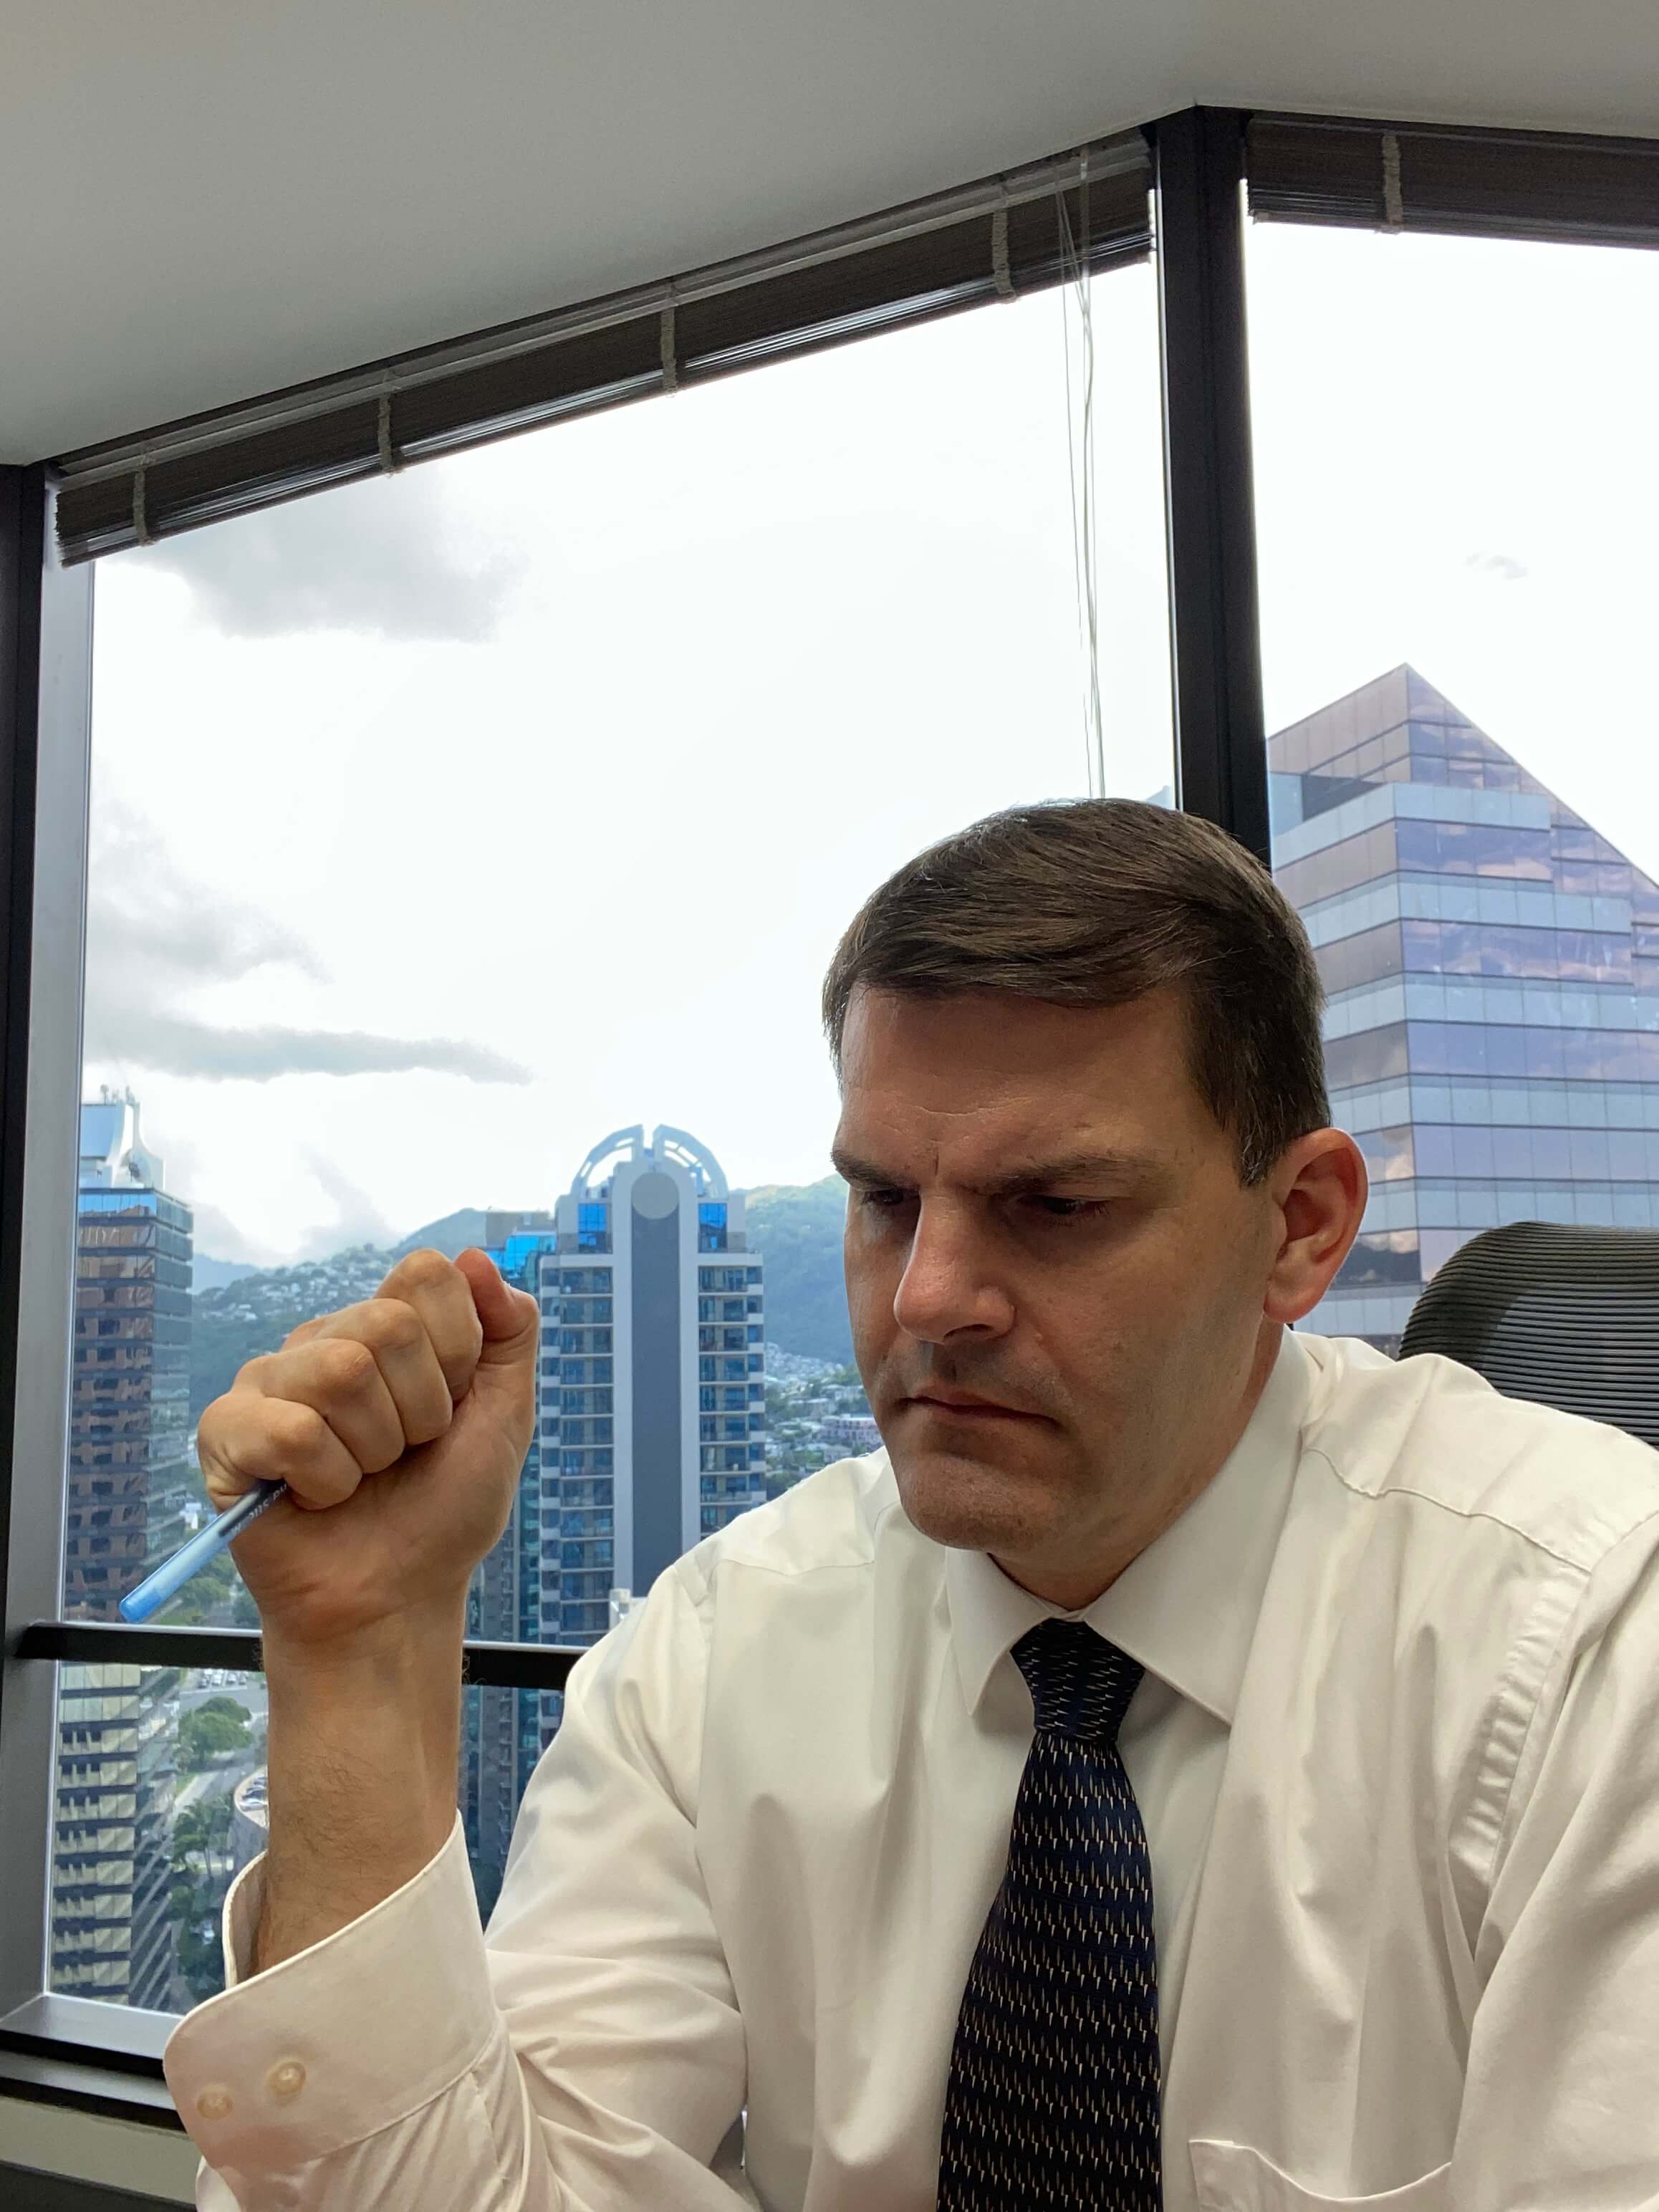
(213,1779)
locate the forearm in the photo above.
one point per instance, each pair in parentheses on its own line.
(591,2056)
(362,1757)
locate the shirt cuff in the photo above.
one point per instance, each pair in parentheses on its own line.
(343,2038)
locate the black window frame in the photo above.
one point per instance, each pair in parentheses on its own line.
(94,2056)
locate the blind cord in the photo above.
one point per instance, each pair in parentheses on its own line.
(668,346)
(141,532)
(1000,275)
(1394,203)
(386,444)
(1080,462)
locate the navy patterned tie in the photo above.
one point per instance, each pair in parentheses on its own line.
(1053,2093)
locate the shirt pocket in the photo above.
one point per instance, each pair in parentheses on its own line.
(1233,2178)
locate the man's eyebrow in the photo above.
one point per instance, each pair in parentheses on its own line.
(1072,1167)
(851,1168)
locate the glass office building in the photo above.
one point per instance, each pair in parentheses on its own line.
(129,1468)
(111,1926)
(128,1444)
(1493,967)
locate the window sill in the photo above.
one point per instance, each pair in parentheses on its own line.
(91,2057)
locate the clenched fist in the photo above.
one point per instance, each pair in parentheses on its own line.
(400,1427)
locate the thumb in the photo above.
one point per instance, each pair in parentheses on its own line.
(510,1319)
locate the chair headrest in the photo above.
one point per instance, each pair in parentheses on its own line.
(1565,1317)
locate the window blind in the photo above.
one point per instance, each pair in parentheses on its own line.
(999,238)
(1496,184)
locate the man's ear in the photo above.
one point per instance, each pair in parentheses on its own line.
(1320,1187)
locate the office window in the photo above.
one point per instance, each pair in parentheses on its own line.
(745,649)
(1454,465)
(158,1798)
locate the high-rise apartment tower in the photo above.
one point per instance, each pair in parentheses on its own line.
(650,1417)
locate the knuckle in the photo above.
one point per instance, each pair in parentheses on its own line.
(459,1357)
(272,1439)
(213,1452)
(392,1325)
(346,1366)
(297,1436)
(221,1492)
(426,1427)
(424,1270)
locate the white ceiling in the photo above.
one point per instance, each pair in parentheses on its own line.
(202,199)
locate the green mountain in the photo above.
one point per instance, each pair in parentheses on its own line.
(238,1313)
(208,1273)
(241,1319)
(797,1229)
(451,1235)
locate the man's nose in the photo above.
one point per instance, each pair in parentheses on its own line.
(949,1284)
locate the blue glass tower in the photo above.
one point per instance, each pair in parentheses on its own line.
(1491,1035)
(503,1731)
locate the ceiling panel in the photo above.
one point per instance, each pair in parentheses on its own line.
(206,198)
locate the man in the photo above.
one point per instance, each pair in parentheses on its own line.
(1192,1764)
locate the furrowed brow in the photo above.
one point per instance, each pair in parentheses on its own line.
(1075,1167)
(851,1168)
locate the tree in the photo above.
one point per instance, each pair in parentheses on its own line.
(200,1831)
(207,1734)
(205,1599)
(201,1956)
(215,1597)
(201,1875)
(226,1705)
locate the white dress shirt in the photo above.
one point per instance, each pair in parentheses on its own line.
(1397,1753)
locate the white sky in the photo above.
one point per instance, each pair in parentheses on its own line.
(570,759)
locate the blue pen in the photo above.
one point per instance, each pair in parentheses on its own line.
(152,1593)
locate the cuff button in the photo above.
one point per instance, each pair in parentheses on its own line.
(286,2080)
(213,2104)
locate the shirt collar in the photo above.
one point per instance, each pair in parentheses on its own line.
(1187,1608)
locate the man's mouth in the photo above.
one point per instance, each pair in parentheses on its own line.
(962,1406)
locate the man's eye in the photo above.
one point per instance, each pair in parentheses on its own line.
(1070,1209)
(883,1201)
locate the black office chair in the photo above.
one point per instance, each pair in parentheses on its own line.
(1567,1317)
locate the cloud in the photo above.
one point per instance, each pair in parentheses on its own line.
(395,558)
(1503,567)
(153,937)
(356,1221)
(150,930)
(217,1236)
(173,1045)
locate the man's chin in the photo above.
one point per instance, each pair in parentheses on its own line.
(969,1504)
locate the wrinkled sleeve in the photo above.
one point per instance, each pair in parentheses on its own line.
(1559,2109)
(585,2052)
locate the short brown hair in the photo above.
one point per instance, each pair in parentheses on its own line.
(1096,903)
